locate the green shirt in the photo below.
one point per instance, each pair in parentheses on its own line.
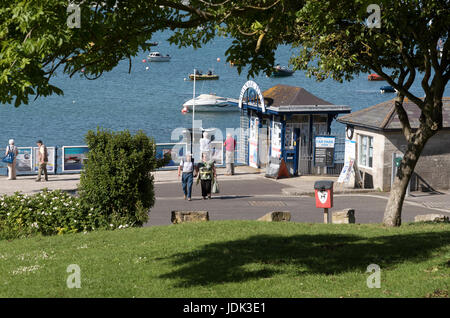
(205,170)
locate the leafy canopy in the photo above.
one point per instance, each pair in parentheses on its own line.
(332,37)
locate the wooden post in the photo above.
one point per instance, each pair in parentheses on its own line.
(325,215)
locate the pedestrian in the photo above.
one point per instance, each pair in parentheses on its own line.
(187,168)
(205,145)
(11,148)
(206,174)
(42,160)
(230,147)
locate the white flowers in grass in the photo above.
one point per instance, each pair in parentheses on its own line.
(25,269)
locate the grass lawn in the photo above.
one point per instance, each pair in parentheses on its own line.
(232,259)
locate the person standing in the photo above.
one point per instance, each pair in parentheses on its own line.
(206,175)
(11,148)
(43,160)
(205,145)
(187,168)
(230,147)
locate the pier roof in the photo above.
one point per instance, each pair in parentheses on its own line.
(293,99)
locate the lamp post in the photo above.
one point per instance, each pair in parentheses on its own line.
(193,118)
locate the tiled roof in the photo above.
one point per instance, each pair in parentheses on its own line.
(294,99)
(384,117)
(285,95)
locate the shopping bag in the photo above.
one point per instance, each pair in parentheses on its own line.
(215,188)
(9,158)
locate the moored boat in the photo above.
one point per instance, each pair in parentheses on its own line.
(281,71)
(375,77)
(208,76)
(387,89)
(157,57)
(211,103)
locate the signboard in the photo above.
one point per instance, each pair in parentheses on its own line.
(253,143)
(73,158)
(51,159)
(24,160)
(255,88)
(346,172)
(350,150)
(217,152)
(276,140)
(324,151)
(176,150)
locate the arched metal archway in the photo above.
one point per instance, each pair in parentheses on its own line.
(254,95)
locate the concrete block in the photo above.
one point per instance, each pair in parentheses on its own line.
(189,216)
(431,218)
(345,216)
(276,217)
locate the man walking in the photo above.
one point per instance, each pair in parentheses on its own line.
(187,167)
(43,160)
(230,146)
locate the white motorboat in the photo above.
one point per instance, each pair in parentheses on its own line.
(211,103)
(157,57)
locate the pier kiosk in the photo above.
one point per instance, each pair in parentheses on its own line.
(281,123)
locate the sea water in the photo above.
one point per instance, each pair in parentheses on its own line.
(150,97)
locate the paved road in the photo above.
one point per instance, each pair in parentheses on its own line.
(251,199)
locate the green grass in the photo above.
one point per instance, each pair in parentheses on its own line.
(232,259)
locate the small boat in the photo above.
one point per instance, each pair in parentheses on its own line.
(387,89)
(375,77)
(281,71)
(208,76)
(157,57)
(211,103)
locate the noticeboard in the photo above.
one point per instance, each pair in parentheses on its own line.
(74,157)
(176,151)
(24,160)
(51,159)
(324,151)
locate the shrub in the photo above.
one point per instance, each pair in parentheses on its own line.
(116,181)
(48,212)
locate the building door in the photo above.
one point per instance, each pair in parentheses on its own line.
(264,143)
(305,155)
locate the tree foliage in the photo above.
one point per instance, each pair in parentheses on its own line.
(116,181)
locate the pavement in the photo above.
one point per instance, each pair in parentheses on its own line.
(248,195)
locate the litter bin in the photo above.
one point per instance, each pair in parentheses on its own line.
(324,196)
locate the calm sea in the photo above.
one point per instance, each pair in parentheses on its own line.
(152,99)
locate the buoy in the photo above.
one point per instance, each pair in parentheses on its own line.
(82,70)
(147,68)
(144,60)
(218,59)
(184,110)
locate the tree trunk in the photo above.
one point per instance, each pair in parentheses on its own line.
(393,211)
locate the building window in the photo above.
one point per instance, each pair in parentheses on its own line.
(365,151)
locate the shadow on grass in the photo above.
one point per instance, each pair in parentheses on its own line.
(323,254)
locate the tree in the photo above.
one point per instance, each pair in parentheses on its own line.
(334,34)
(332,38)
(116,181)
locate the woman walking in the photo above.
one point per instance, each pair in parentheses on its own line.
(206,175)
(187,167)
(12,166)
